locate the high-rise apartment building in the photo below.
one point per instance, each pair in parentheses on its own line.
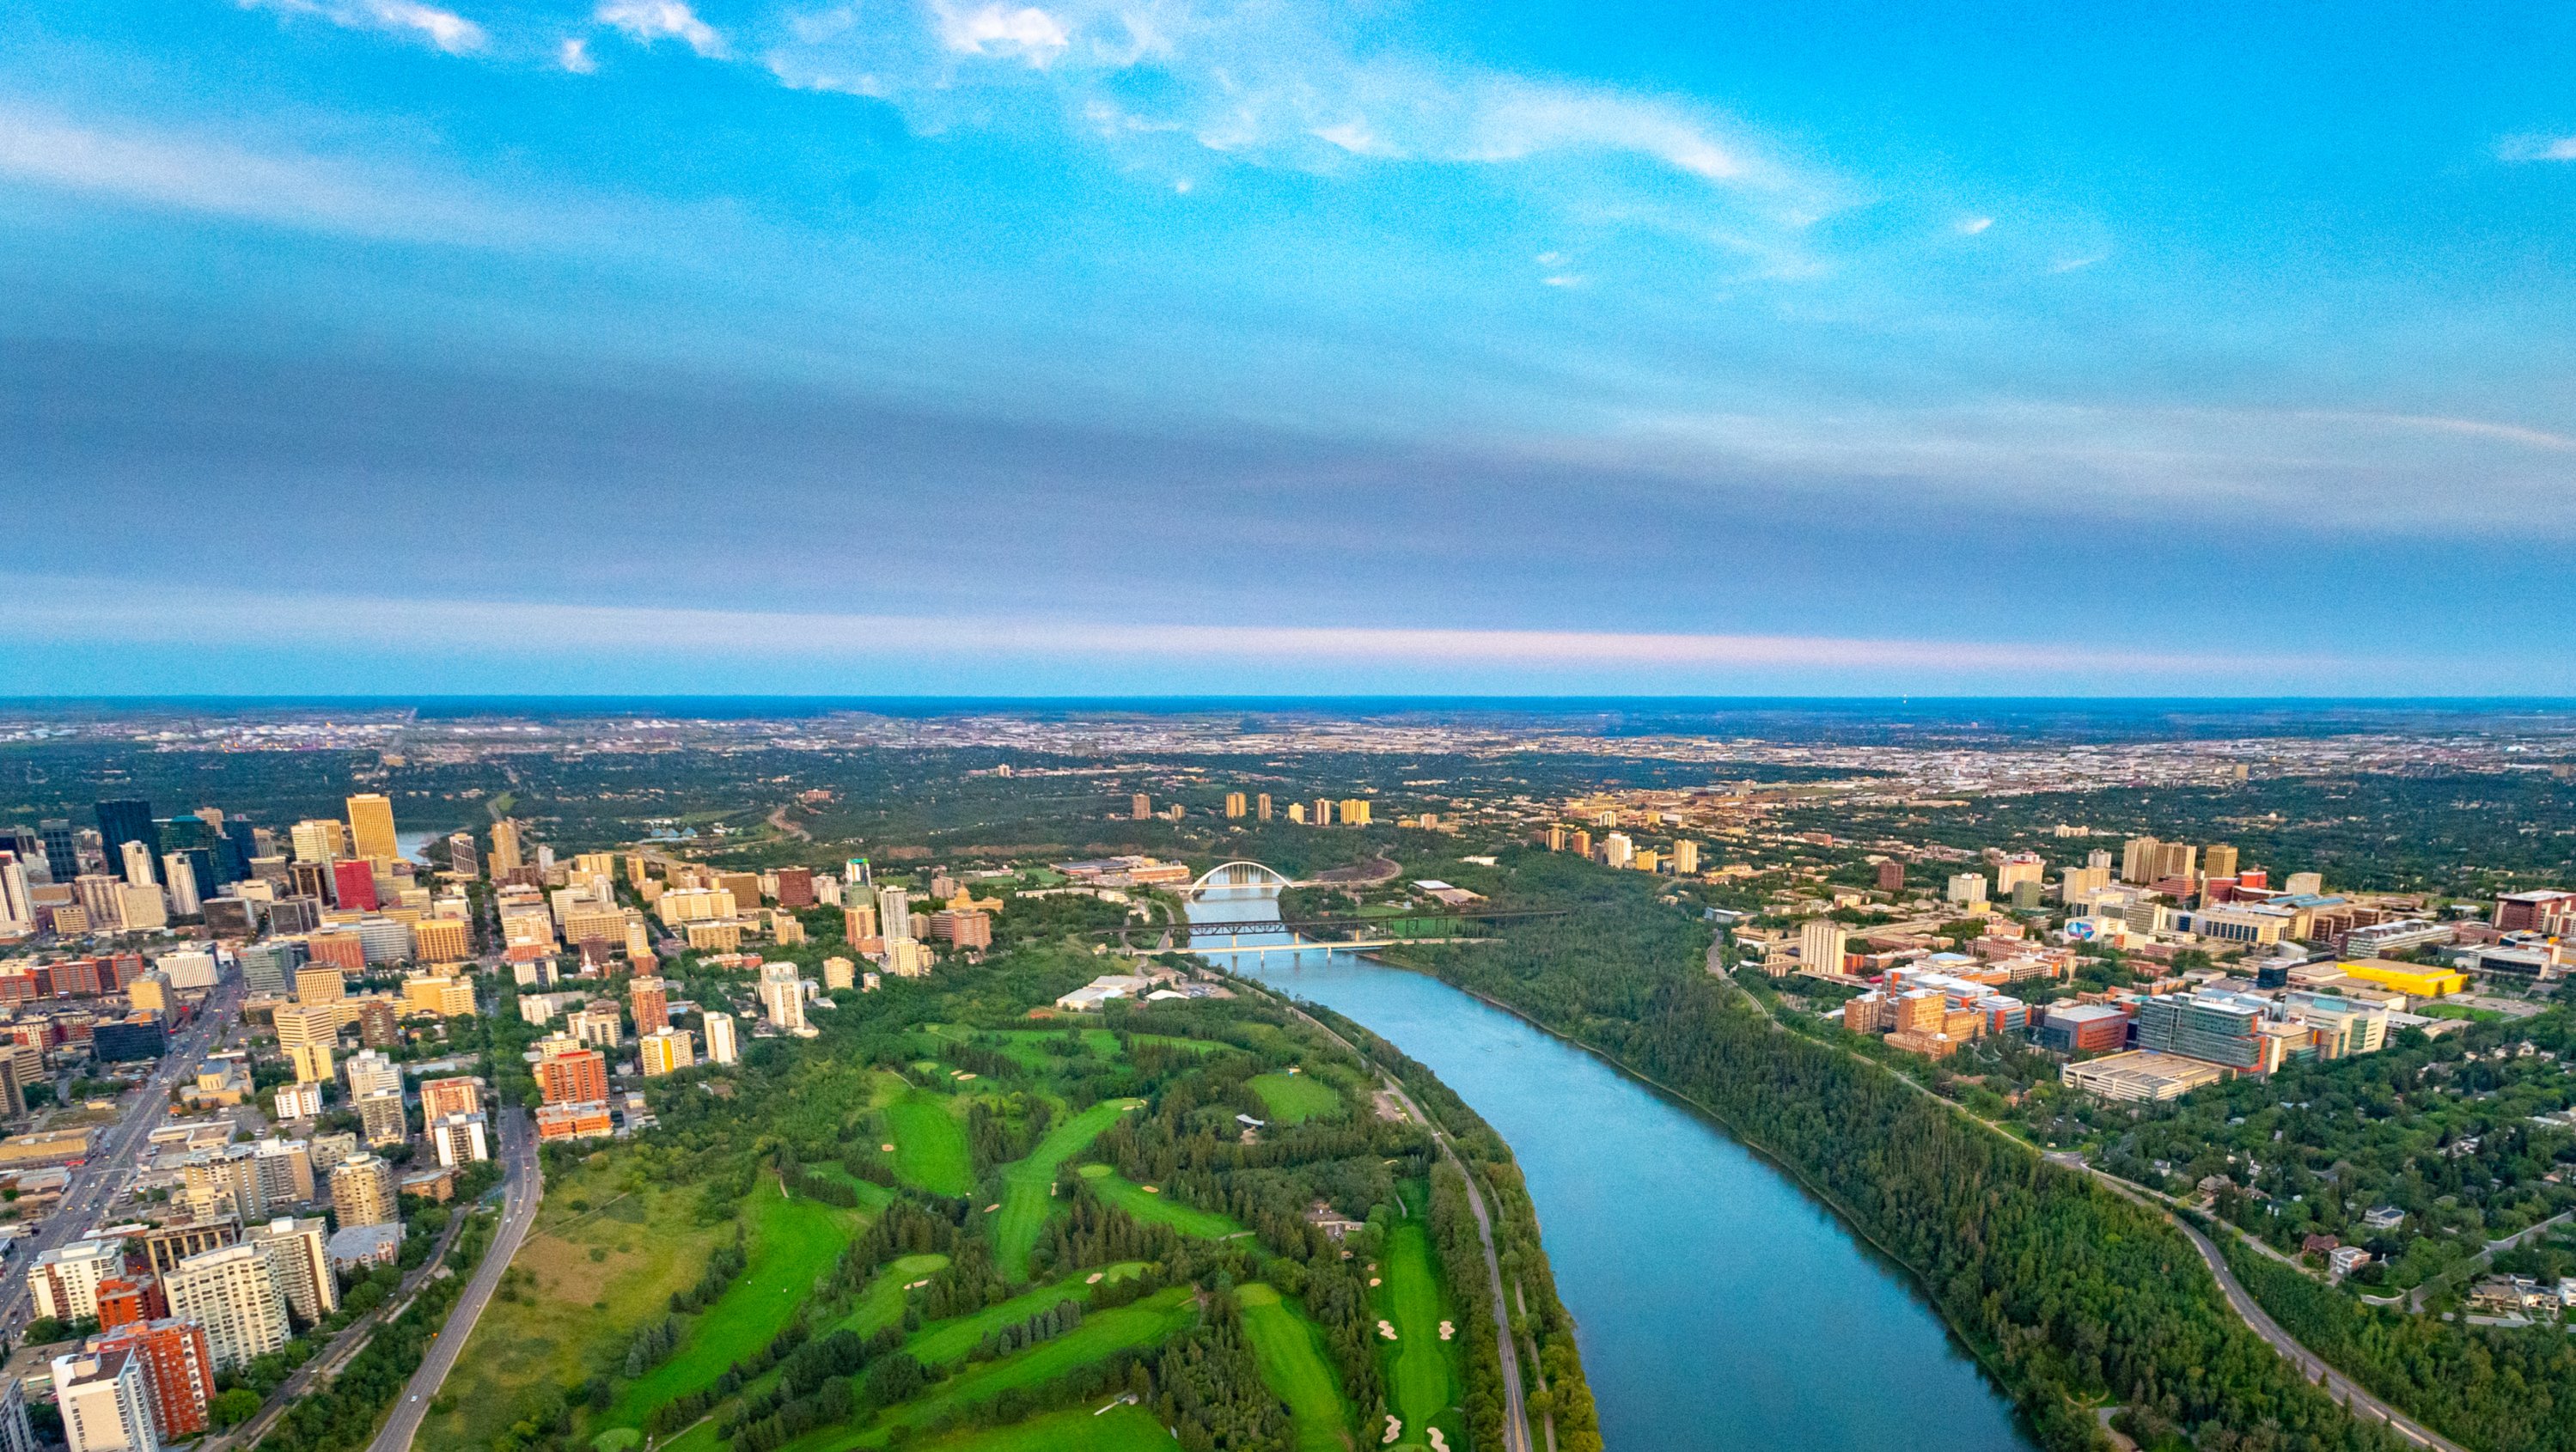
(505,847)
(782,996)
(666,1051)
(1354,812)
(2139,859)
(1685,858)
(1820,945)
(649,999)
(1321,813)
(1261,807)
(64,1281)
(721,1045)
(178,1372)
(371,826)
(1140,807)
(2219,860)
(1234,805)
(319,839)
(105,1404)
(362,1192)
(460,1139)
(233,1294)
(894,912)
(442,1097)
(569,1074)
(299,1258)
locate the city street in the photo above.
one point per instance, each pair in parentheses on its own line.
(95,1185)
(523,1187)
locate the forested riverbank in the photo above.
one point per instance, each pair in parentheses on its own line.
(2073,1297)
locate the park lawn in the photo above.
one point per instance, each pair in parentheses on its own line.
(950,1340)
(1133,1198)
(1028,1185)
(574,1311)
(794,1242)
(1075,1429)
(929,1144)
(1422,1374)
(1296,1098)
(1291,1352)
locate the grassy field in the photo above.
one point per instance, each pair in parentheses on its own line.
(793,1243)
(1293,1364)
(1143,1324)
(881,1304)
(1076,1429)
(1296,1098)
(1027,1184)
(566,1311)
(1422,1372)
(1154,1209)
(950,1340)
(930,1144)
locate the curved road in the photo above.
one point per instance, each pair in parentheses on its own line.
(523,1187)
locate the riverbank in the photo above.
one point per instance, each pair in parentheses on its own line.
(2072,1297)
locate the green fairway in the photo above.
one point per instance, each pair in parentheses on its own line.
(1291,1352)
(1078,1429)
(929,1144)
(1154,1209)
(1296,1098)
(951,1340)
(881,1304)
(1026,1184)
(873,1197)
(793,1243)
(1143,1324)
(1421,1370)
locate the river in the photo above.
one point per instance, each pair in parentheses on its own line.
(1718,1305)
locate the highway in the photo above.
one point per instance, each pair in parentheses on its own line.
(523,1188)
(96,1184)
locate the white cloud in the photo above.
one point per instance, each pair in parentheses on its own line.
(220,177)
(131,613)
(2356,470)
(1274,85)
(445,29)
(646,21)
(995,29)
(1971,226)
(574,55)
(2537,148)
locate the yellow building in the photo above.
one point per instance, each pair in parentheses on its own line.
(505,847)
(721,935)
(371,826)
(312,1062)
(2413,980)
(319,839)
(446,997)
(664,1052)
(1355,812)
(1233,805)
(320,983)
(441,940)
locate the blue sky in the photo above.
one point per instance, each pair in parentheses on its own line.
(638,345)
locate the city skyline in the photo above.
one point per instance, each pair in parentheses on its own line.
(367,346)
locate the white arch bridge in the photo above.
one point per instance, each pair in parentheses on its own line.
(1241,874)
